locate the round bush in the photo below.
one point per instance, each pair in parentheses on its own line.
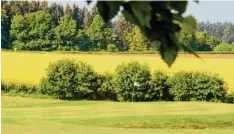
(46,87)
(111,48)
(68,78)
(229,98)
(159,89)
(223,47)
(180,85)
(197,86)
(107,88)
(126,76)
(60,78)
(87,82)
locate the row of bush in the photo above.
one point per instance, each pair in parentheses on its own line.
(70,79)
(18,87)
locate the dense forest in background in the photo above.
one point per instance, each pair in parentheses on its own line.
(37,25)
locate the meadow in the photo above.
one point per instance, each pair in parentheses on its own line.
(26,115)
(30,66)
(36,116)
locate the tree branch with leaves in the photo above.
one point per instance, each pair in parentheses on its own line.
(158,20)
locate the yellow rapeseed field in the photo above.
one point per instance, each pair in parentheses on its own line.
(30,66)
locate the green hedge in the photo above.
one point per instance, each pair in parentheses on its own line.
(14,87)
(126,76)
(107,90)
(159,88)
(68,78)
(132,81)
(197,86)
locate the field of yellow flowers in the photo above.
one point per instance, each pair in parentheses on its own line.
(30,66)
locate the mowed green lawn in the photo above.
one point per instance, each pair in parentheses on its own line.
(50,116)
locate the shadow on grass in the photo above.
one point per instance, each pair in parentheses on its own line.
(178,124)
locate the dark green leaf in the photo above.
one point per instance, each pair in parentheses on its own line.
(190,22)
(142,11)
(156,20)
(187,49)
(179,6)
(169,49)
(89,1)
(197,1)
(108,9)
(169,54)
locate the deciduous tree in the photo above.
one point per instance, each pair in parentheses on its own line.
(137,41)
(155,19)
(5,25)
(224,46)
(98,34)
(122,29)
(32,31)
(212,42)
(65,33)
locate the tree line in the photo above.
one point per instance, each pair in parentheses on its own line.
(222,31)
(36,25)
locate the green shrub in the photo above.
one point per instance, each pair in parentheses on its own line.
(47,88)
(87,82)
(77,80)
(180,85)
(67,78)
(3,87)
(17,87)
(60,78)
(111,48)
(159,89)
(223,47)
(229,98)
(197,86)
(126,75)
(107,89)
(208,87)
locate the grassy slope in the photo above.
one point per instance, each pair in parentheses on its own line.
(30,67)
(28,115)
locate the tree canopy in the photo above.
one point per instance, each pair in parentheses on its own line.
(155,19)
(156,26)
